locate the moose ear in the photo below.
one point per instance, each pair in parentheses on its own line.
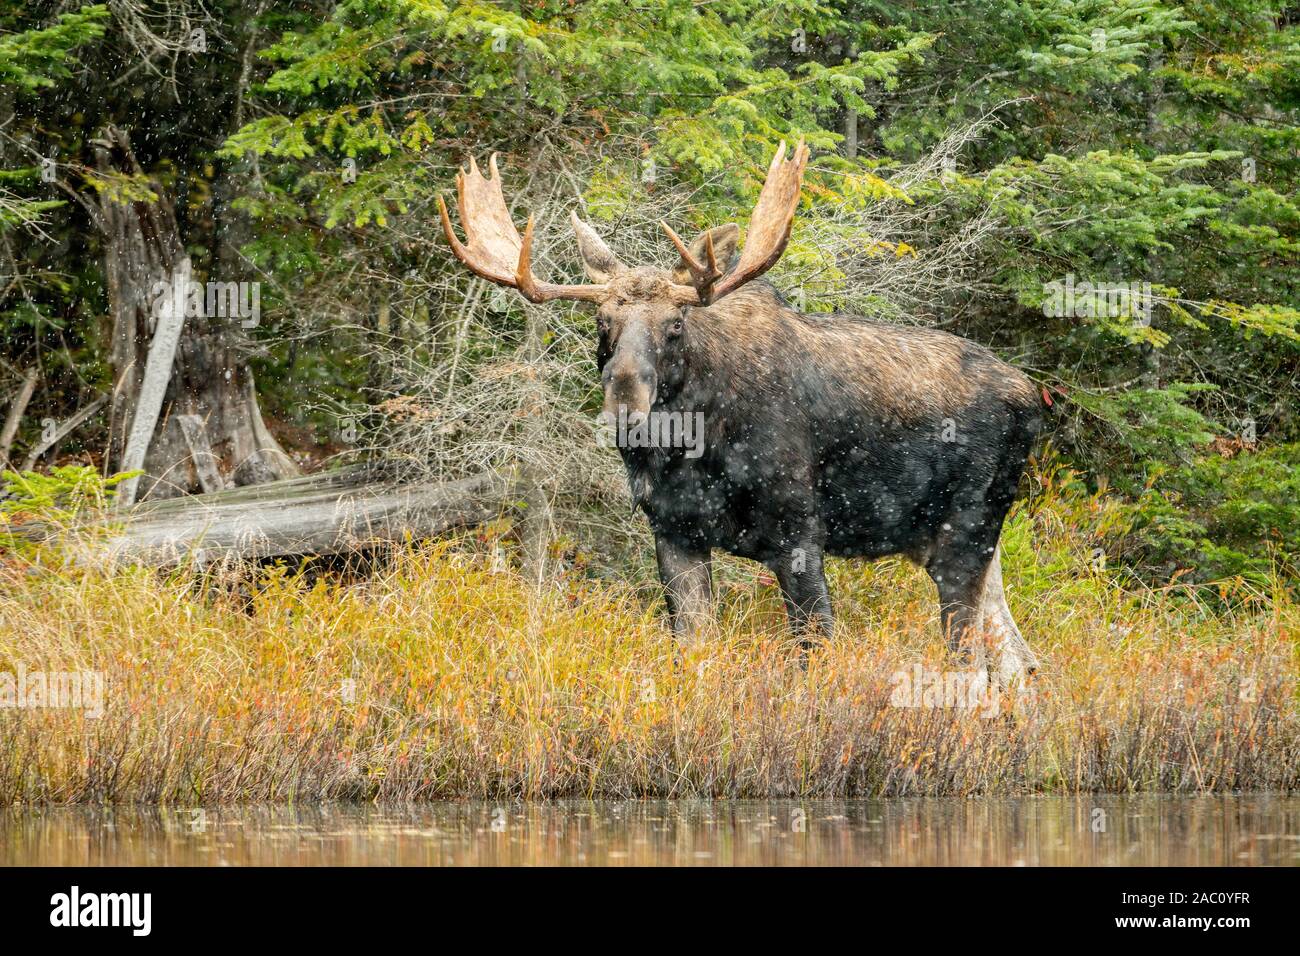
(725,239)
(600,263)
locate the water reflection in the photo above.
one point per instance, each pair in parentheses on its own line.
(1159,830)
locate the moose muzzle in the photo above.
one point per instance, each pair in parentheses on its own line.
(629,376)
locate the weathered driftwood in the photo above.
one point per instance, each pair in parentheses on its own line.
(317,514)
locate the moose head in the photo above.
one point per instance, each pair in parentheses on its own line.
(643,313)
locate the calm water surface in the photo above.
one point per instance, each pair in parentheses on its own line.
(1114,831)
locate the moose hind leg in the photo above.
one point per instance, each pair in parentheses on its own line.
(687,576)
(1015,659)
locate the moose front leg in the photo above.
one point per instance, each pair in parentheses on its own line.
(687,576)
(807,598)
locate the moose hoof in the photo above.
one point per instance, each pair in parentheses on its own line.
(1016,663)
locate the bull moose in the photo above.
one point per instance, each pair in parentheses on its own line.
(823,434)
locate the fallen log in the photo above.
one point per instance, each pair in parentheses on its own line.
(335,513)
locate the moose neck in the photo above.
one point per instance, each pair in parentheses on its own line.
(736,363)
(734,346)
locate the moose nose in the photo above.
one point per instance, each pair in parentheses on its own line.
(629,375)
(629,387)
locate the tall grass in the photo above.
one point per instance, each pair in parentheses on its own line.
(446,675)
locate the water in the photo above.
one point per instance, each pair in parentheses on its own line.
(1103,830)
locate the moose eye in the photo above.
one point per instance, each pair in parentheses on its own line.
(677,327)
(602,325)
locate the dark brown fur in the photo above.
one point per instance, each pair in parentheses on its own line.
(825,434)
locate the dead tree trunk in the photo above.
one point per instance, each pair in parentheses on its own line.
(17,407)
(210,434)
(539,520)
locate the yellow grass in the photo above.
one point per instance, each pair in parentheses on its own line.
(441,677)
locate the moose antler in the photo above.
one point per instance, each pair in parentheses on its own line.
(702,276)
(494,249)
(769,230)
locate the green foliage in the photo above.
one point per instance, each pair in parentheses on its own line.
(32,60)
(698,71)
(1152,424)
(37,58)
(61,499)
(62,496)
(1222,517)
(1078,45)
